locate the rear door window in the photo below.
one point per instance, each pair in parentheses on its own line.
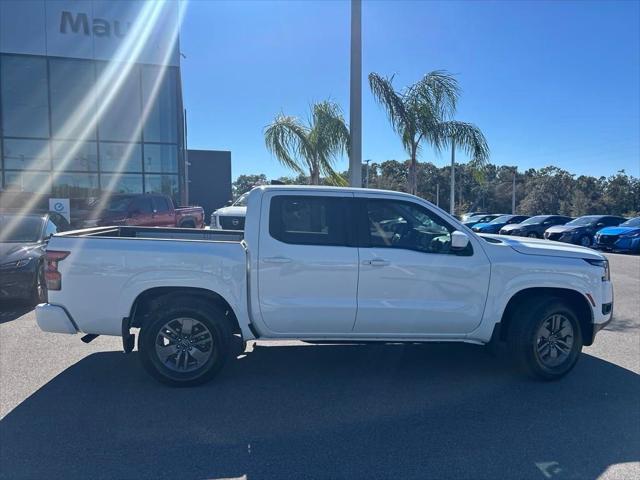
(308,220)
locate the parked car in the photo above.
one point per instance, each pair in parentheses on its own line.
(325,264)
(22,241)
(623,238)
(143,209)
(534,227)
(482,218)
(497,223)
(467,216)
(581,230)
(232,216)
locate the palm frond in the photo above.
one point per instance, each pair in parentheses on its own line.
(438,91)
(330,137)
(467,137)
(391,101)
(287,139)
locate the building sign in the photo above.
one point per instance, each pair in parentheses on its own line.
(92,29)
(60,206)
(99,26)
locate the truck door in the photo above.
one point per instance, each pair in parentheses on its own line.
(410,282)
(307,273)
(162,214)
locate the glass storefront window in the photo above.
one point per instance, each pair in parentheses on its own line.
(120,157)
(72,98)
(122,117)
(167,184)
(70,155)
(160,158)
(36,182)
(22,154)
(123,183)
(75,185)
(159,99)
(24,95)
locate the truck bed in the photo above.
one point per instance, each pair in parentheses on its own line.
(161,233)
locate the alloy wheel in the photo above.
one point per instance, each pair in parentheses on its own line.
(554,341)
(184,344)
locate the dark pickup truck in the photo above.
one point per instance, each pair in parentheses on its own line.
(147,210)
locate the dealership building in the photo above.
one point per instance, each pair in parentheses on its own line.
(90,101)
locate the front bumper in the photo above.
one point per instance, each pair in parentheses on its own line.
(17,283)
(55,319)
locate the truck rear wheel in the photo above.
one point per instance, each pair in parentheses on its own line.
(186,343)
(545,340)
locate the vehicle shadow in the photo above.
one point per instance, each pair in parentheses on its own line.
(10,310)
(374,411)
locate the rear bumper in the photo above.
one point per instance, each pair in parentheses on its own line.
(55,319)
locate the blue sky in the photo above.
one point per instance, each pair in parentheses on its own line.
(549,82)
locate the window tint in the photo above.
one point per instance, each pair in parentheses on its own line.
(397,224)
(160,204)
(140,205)
(308,220)
(50,229)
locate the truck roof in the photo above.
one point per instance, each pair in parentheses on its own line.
(326,188)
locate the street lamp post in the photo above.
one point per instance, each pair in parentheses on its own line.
(355,98)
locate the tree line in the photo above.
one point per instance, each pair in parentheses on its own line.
(548,190)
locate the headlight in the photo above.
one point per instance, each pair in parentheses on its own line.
(604,264)
(17,264)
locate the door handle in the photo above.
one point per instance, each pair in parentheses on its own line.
(276,260)
(376,262)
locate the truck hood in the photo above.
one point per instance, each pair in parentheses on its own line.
(232,211)
(548,248)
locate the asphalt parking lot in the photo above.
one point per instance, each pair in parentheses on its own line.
(70,410)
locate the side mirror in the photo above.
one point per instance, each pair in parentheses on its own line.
(459,240)
(600,224)
(229,203)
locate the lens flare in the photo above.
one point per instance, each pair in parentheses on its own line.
(109,84)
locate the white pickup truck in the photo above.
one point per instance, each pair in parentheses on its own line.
(325,264)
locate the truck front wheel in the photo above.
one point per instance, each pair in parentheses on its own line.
(544,339)
(185,343)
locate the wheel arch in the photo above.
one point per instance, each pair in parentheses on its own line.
(188,220)
(578,302)
(148,300)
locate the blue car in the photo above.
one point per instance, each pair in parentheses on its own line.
(623,238)
(496,224)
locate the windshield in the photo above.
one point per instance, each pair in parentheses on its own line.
(532,220)
(241,201)
(20,229)
(501,219)
(633,222)
(588,220)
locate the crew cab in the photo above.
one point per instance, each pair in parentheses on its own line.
(143,209)
(325,264)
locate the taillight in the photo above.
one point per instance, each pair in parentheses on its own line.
(51,273)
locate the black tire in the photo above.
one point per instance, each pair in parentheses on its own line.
(204,313)
(188,224)
(523,342)
(39,289)
(584,241)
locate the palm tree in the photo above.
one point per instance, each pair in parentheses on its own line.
(424,112)
(313,147)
